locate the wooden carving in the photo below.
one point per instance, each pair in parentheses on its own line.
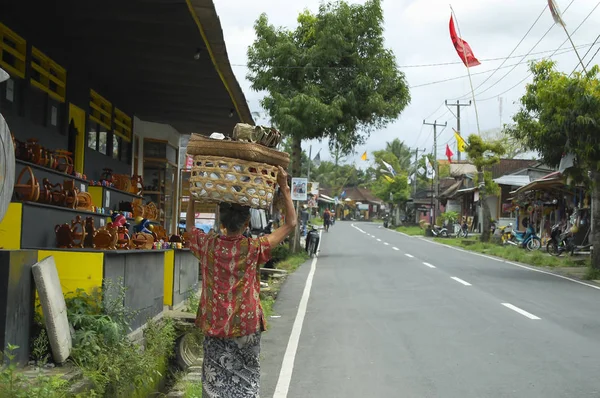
(142,241)
(105,239)
(150,211)
(29,191)
(64,238)
(70,194)
(123,239)
(78,232)
(90,231)
(137,185)
(84,201)
(64,161)
(161,233)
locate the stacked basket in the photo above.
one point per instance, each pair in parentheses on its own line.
(235,171)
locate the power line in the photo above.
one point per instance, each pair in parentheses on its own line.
(585,55)
(517,46)
(410,66)
(532,48)
(550,56)
(565,51)
(591,59)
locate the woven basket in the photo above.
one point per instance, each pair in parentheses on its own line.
(220,179)
(251,152)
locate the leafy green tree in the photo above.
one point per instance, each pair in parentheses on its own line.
(397,189)
(483,155)
(401,151)
(560,114)
(329,78)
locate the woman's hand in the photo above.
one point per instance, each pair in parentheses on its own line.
(282,178)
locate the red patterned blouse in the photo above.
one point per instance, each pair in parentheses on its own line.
(229,302)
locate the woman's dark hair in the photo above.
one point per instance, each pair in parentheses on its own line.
(233,216)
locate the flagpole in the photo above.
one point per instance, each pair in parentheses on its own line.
(468,71)
(574,47)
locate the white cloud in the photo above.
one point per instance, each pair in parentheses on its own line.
(417,32)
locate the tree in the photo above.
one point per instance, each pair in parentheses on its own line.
(330,78)
(397,189)
(401,151)
(560,114)
(484,155)
(513,146)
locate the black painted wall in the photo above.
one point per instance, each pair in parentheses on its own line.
(28,115)
(143,274)
(16,300)
(185,276)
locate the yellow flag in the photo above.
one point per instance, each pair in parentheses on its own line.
(460,142)
(390,179)
(364,156)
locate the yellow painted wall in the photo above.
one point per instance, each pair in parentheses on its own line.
(77,270)
(168,279)
(96,194)
(10,227)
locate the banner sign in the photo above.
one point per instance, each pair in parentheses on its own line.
(299,189)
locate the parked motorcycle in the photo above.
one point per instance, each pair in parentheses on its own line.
(312,241)
(440,231)
(527,239)
(386,221)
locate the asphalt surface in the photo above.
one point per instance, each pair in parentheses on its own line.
(396,316)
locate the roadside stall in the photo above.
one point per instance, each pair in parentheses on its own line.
(90,189)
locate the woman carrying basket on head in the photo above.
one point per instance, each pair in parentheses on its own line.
(230,314)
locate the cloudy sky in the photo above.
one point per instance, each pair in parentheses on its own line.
(417,32)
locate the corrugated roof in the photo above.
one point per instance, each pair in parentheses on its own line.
(513,180)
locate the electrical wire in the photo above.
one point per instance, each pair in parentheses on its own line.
(517,46)
(550,56)
(532,48)
(585,55)
(564,51)
(591,59)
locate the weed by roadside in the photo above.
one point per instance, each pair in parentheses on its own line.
(292,262)
(14,384)
(193,390)
(536,258)
(412,231)
(192,302)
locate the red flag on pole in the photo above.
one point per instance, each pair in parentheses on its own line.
(449,153)
(462,47)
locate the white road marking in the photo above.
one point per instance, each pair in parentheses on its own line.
(287,366)
(461,281)
(409,255)
(515,264)
(520,311)
(429,265)
(378,240)
(395,248)
(385,243)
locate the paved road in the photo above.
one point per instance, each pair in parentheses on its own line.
(394,316)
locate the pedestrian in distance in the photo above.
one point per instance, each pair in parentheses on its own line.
(326,219)
(230,314)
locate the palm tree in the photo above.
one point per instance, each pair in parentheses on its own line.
(401,151)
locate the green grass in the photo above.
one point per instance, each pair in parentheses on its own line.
(292,263)
(267,302)
(316,221)
(193,390)
(412,231)
(378,220)
(536,258)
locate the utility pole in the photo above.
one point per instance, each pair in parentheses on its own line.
(458,105)
(416,174)
(435,124)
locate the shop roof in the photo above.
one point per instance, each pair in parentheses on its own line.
(513,180)
(551,180)
(143,53)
